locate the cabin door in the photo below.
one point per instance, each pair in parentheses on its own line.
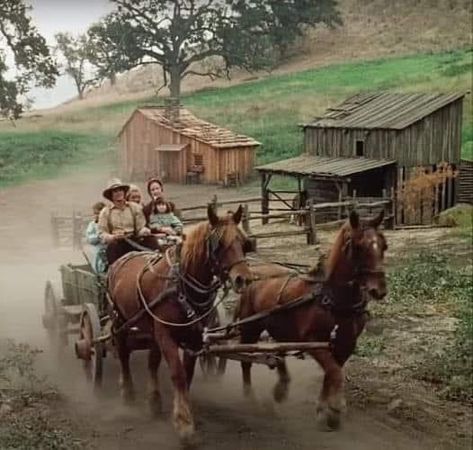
(168,167)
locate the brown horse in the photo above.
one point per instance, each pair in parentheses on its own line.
(212,253)
(329,310)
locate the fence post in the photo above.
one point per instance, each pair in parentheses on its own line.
(214,202)
(311,232)
(265,179)
(339,215)
(246,219)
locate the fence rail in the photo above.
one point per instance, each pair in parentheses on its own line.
(69,230)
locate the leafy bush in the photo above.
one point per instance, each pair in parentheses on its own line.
(430,279)
(25,403)
(17,366)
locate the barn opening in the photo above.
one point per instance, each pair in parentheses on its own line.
(360,148)
(324,179)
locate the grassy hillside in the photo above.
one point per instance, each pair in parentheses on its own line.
(40,154)
(268,109)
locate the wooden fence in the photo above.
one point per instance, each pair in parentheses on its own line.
(465,182)
(311,223)
(69,230)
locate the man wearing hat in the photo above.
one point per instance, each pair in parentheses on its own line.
(120,220)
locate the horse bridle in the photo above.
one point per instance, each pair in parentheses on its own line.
(359,270)
(213,242)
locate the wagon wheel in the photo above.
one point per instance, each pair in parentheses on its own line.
(211,365)
(92,356)
(53,318)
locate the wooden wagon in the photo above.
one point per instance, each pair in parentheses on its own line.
(77,306)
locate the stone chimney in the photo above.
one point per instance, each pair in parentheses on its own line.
(171,109)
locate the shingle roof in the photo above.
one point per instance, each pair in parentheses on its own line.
(383,110)
(189,125)
(324,166)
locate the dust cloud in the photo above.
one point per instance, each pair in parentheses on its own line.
(224,418)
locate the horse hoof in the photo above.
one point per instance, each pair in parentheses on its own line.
(333,419)
(187,435)
(280,392)
(328,419)
(155,405)
(248,392)
(128,397)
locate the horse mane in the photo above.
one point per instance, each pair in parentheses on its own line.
(327,264)
(194,250)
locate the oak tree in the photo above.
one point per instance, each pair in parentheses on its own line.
(182,35)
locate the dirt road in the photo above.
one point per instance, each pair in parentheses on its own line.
(225,420)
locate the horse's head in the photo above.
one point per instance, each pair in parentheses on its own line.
(366,247)
(358,255)
(226,248)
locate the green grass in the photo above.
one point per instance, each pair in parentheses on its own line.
(40,154)
(432,281)
(268,109)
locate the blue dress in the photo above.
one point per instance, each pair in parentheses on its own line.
(99,259)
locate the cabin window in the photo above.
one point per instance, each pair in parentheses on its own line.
(198,159)
(360,148)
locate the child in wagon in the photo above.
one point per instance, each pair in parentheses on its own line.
(99,259)
(162,221)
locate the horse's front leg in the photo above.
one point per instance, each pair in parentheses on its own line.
(154,359)
(281,389)
(331,400)
(126,382)
(182,415)
(189,366)
(249,335)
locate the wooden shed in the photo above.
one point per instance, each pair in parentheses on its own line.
(417,130)
(371,144)
(414,129)
(182,148)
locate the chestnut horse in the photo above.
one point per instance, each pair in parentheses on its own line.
(331,310)
(174,292)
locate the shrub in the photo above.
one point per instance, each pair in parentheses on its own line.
(25,402)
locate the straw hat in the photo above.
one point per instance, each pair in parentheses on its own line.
(114,184)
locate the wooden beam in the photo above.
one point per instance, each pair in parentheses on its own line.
(266,347)
(279,234)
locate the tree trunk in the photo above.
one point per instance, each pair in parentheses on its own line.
(113,79)
(175,82)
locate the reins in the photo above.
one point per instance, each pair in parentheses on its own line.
(185,279)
